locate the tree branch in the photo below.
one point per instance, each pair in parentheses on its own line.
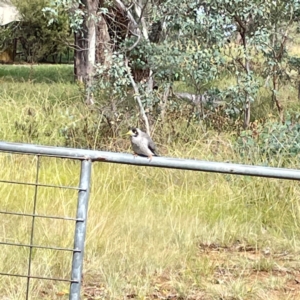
(137,97)
(134,28)
(140,14)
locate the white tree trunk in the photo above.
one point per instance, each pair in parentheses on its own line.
(85,48)
(92,7)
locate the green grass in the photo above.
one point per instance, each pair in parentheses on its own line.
(49,74)
(152,233)
(146,227)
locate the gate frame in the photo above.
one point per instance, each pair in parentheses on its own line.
(87,157)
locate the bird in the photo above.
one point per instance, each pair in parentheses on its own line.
(141,143)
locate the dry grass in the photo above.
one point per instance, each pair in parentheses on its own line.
(152,233)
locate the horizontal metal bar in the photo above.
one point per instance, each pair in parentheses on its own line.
(161,162)
(39,216)
(38,277)
(40,247)
(41,184)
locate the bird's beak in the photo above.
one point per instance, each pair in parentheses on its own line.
(130,132)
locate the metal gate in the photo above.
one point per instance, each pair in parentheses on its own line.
(86,158)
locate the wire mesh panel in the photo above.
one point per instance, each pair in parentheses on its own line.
(43,215)
(39,212)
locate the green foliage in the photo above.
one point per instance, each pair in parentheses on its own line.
(5,36)
(262,28)
(272,141)
(76,15)
(38,39)
(236,94)
(294,63)
(190,38)
(112,78)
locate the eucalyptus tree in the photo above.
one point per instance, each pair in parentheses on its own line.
(281,18)
(121,43)
(100,28)
(262,30)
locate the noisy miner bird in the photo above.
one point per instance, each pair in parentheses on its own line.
(141,143)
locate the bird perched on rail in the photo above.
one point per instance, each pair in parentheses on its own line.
(141,143)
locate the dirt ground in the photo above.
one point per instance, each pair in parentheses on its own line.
(236,272)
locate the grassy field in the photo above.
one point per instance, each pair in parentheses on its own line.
(152,233)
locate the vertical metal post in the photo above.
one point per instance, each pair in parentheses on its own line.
(32,225)
(80,229)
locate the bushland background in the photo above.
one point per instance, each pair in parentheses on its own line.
(219,81)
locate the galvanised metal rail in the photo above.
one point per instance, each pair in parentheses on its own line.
(161,162)
(87,157)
